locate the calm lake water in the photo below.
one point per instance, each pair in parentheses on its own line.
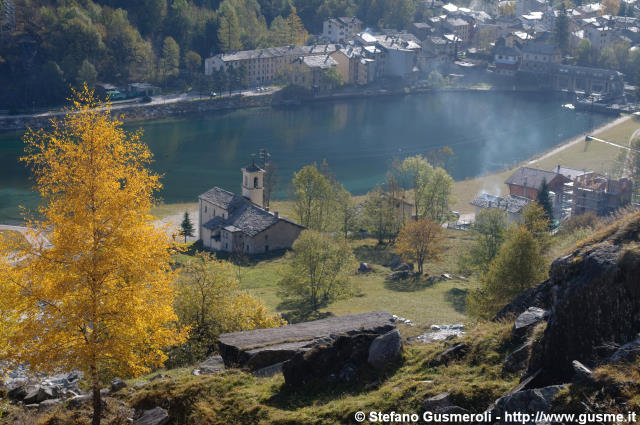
(359,138)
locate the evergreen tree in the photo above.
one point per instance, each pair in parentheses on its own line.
(544,200)
(186,227)
(561,29)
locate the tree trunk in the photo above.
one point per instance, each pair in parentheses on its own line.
(97,401)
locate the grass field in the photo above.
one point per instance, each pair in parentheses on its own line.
(425,303)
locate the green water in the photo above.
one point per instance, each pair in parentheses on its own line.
(358,137)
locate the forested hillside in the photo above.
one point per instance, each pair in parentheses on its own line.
(46,46)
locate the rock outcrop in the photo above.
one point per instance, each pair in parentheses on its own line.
(596,302)
(260,348)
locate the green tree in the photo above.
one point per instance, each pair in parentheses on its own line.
(87,74)
(192,62)
(435,194)
(585,52)
(170,57)
(319,270)
(436,80)
(228,28)
(517,267)
(378,217)
(561,29)
(346,211)
(544,199)
(416,172)
(314,198)
(488,232)
(537,223)
(186,227)
(332,78)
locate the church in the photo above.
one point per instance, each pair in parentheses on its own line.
(240,224)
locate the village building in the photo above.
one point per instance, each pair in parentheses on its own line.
(239,223)
(526,181)
(591,192)
(263,65)
(511,205)
(337,30)
(539,57)
(309,71)
(507,60)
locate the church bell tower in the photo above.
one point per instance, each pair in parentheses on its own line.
(253,183)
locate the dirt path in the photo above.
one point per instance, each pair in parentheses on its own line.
(173,222)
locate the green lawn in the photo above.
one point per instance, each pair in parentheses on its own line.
(422,302)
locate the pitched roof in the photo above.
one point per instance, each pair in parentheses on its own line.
(244,215)
(511,204)
(531,177)
(281,51)
(540,48)
(219,197)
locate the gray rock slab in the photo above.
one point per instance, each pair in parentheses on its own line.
(260,348)
(155,416)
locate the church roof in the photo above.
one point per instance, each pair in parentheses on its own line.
(244,215)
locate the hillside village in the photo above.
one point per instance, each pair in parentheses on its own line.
(525,49)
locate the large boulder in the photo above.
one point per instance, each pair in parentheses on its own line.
(527,320)
(596,303)
(260,348)
(455,352)
(155,416)
(437,402)
(364,268)
(39,394)
(517,360)
(18,393)
(342,360)
(528,402)
(539,296)
(117,384)
(385,349)
(628,352)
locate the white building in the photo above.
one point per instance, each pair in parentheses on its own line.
(340,29)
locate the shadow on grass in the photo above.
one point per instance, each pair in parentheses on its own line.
(319,392)
(374,254)
(408,285)
(457,298)
(296,311)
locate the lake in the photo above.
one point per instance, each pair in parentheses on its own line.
(358,137)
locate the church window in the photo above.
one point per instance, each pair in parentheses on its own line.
(255,182)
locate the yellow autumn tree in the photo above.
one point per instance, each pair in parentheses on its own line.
(298,34)
(211,302)
(419,241)
(95,292)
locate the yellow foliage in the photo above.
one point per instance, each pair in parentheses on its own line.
(96,291)
(420,241)
(210,300)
